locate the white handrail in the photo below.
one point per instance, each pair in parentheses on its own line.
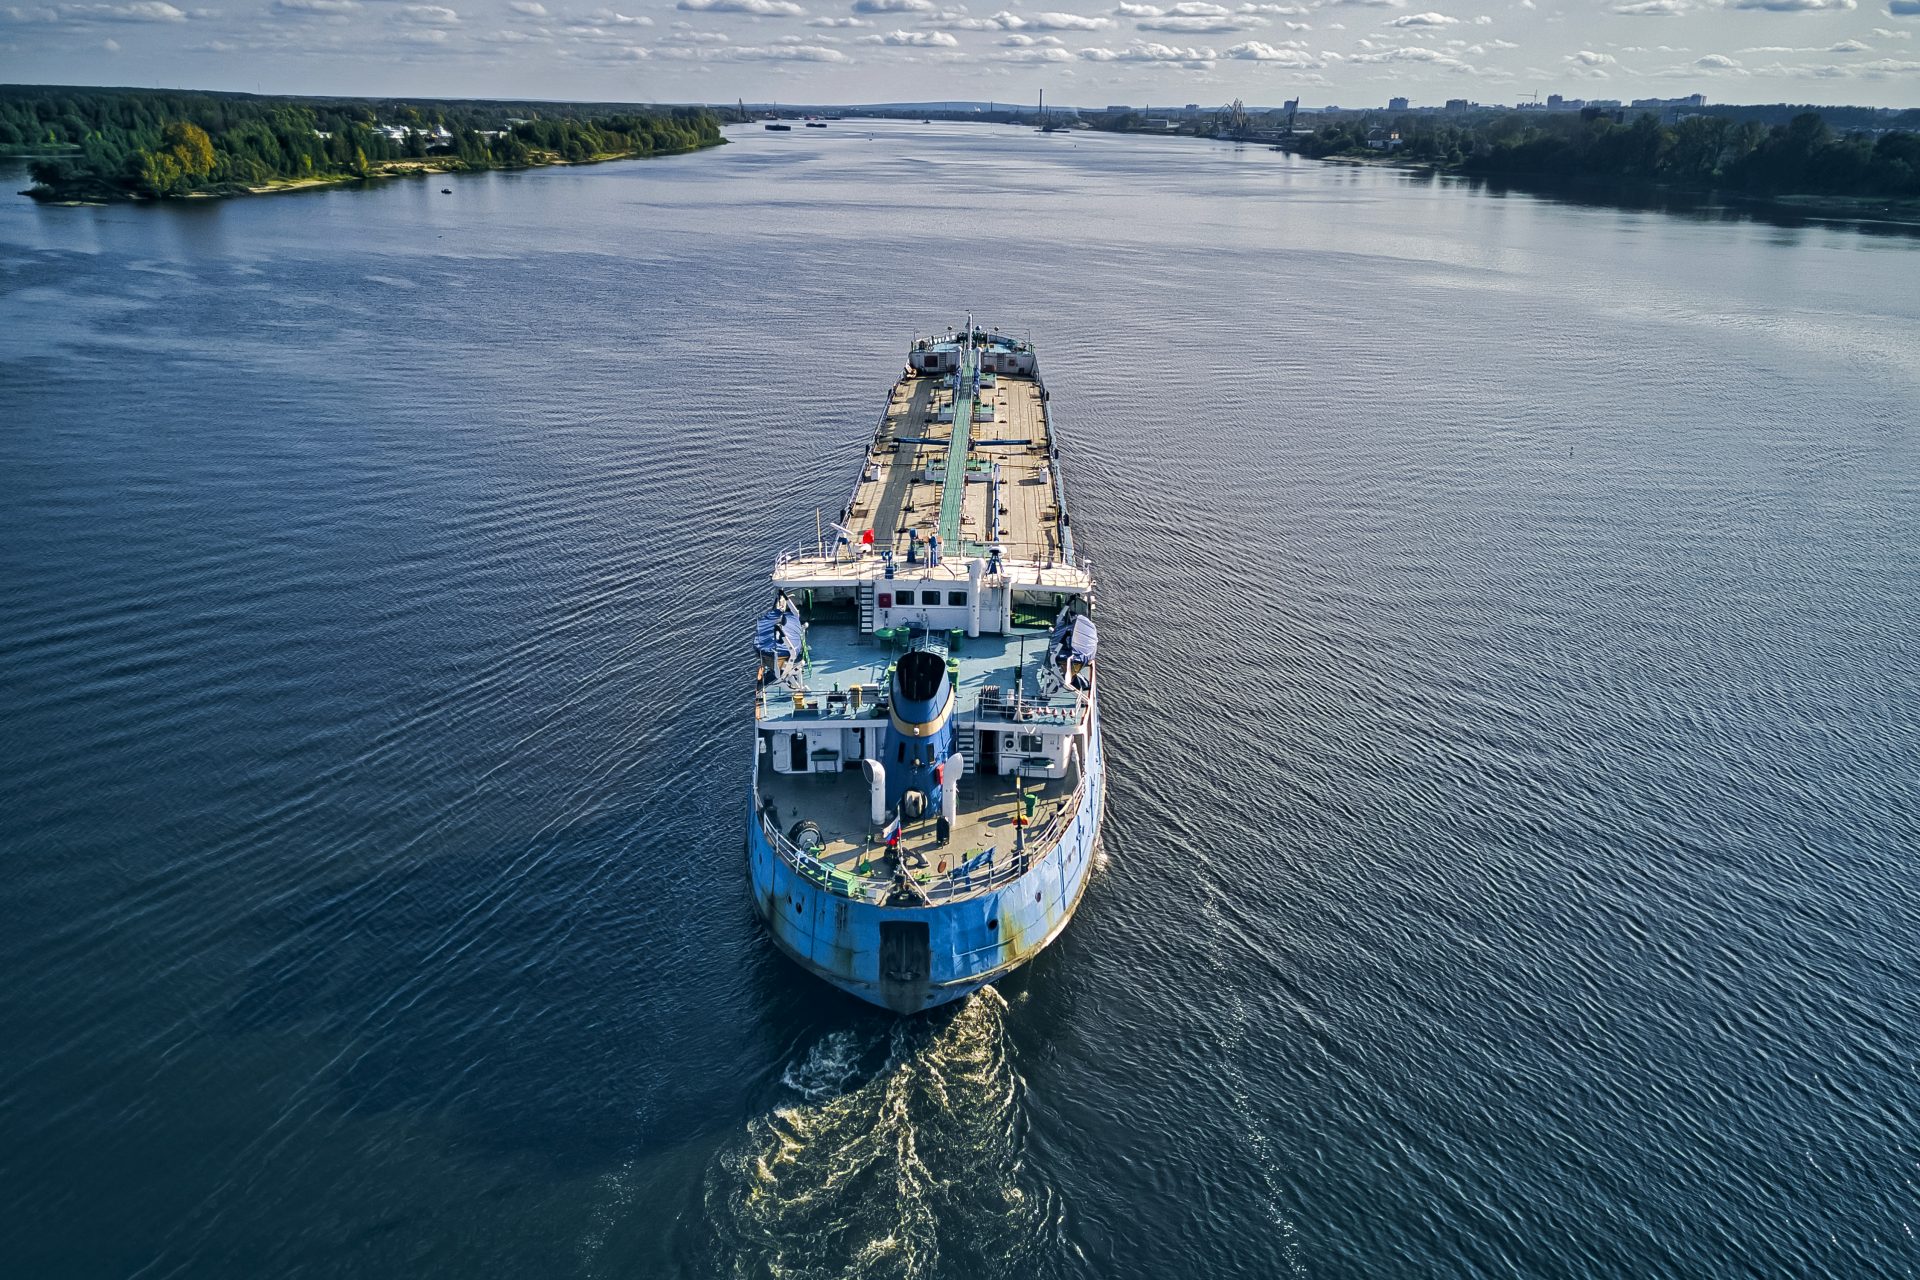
(827,876)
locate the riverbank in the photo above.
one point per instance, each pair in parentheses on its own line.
(112,146)
(1666,197)
(1800,167)
(95,193)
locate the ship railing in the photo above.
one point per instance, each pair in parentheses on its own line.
(802,552)
(1063,708)
(1037,845)
(831,878)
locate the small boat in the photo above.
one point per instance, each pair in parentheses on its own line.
(446,191)
(780,128)
(816,124)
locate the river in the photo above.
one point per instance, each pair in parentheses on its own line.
(1511,695)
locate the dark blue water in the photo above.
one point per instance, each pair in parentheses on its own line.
(1512,706)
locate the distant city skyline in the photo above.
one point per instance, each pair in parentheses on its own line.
(1356,53)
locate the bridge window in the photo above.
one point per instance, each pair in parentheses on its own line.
(957,599)
(903,598)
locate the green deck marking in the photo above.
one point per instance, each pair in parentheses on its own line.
(953,493)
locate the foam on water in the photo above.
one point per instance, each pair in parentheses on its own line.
(875,1169)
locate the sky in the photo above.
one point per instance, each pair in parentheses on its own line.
(1345,52)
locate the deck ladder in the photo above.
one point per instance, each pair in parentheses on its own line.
(866,606)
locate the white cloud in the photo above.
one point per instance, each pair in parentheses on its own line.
(893,6)
(429,15)
(1161,54)
(1411,53)
(758,53)
(1255,51)
(1715,62)
(615,55)
(1200,24)
(316,6)
(529,7)
(139,11)
(1051,21)
(838,22)
(1588,58)
(1651,8)
(1850,46)
(1024,42)
(763,8)
(1288,10)
(1422,20)
(609,18)
(914,40)
(1036,53)
(1802,6)
(1885,34)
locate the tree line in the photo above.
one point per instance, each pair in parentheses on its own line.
(1804,156)
(137,143)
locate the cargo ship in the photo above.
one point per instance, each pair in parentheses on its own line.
(928,774)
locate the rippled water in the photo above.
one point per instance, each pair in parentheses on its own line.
(1513,704)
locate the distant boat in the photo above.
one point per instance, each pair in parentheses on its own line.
(446,191)
(781,128)
(816,124)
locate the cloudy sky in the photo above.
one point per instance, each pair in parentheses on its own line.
(1350,52)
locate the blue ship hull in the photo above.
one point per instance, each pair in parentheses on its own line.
(969,942)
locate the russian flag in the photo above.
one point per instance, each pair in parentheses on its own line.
(891,836)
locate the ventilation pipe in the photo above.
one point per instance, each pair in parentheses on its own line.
(974,570)
(877,787)
(950,785)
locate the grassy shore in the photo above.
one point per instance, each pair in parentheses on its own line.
(1879,209)
(377,171)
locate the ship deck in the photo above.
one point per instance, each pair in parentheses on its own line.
(840,657)
(837,803)
(913,441)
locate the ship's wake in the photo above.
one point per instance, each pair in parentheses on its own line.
(890,1154)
